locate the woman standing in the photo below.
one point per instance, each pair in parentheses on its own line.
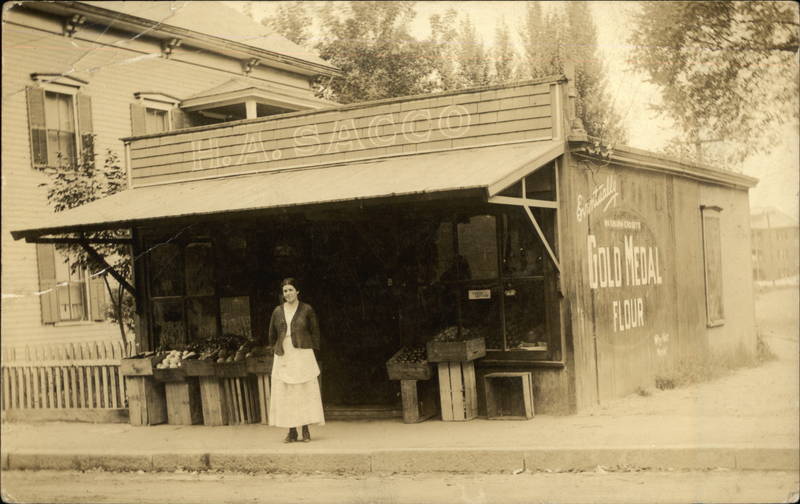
(294,334)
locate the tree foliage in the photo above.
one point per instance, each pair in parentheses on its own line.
(72,185)
(459,57)
(292,21)
(371,43)
(555,39)
(503,54)
(728,70)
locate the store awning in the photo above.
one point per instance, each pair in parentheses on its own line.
(489,168)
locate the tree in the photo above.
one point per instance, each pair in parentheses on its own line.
(72,185)
(505,57)
(292,21)
(557,39)
(727,70)
(372,45)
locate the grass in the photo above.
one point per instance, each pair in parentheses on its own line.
(704,368)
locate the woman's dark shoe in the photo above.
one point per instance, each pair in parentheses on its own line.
(291,437)
(306,434)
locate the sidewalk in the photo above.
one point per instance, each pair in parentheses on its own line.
(695,433)
(747,420)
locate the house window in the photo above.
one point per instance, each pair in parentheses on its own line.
(156,120)
(712,259)
(70,290)
(61,126)
(67,294)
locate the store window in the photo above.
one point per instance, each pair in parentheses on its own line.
(712,260)
(68,293)
(494,279)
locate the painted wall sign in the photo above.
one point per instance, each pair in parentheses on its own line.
(604,194)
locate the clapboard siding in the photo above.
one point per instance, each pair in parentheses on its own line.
(116,66)
(414,125)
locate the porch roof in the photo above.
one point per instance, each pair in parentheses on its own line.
(488,168)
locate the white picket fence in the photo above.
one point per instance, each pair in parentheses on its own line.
(70,375)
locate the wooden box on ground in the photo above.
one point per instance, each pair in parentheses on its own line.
(467,350)
(509,396)
(239,392)
(408,370)
(146,397)
(458,394)
(419,400)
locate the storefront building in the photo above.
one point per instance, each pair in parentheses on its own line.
(486,209)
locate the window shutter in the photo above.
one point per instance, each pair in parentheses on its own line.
(46,261)
(97,298)
(138,119)
(85,125)
(38,129)
(178,118)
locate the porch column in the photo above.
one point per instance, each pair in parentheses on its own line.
(250,107)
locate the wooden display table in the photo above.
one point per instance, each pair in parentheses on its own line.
(146,397)
(509,396)
(417,390)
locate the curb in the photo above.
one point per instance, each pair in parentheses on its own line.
(421,460)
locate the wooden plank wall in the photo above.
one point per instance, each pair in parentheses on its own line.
(67,376)
(490,116)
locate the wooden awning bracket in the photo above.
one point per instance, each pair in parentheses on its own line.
(527,203)
(107,267)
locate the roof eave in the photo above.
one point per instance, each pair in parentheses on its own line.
(643,159)
(196,39)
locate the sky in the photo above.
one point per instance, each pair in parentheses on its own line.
(778,172)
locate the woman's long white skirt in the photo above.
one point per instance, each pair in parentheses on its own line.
(295,404)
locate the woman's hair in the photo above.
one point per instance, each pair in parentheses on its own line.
(290,281)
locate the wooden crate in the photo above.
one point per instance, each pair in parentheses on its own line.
(509,396)
(139,367)
(213,401)
(261,365)
(408,370)
(146,397)
(197,367)
(458,394)
(184,405)
(241,399)
(452,351)
(263,392)
(419,400)
(232,369)
(147,404)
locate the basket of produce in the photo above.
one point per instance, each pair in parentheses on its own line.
(455,344)
(173,366)
(409,364)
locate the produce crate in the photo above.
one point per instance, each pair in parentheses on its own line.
(240,400)
(231,369)
(419,400)
(139,367)
(509,396)
(408,370)
(456,351)
(261,365)
(177,374)
(198,367)
(146,397)
(458,394)
(213,400)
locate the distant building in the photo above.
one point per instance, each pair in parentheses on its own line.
(775,245)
